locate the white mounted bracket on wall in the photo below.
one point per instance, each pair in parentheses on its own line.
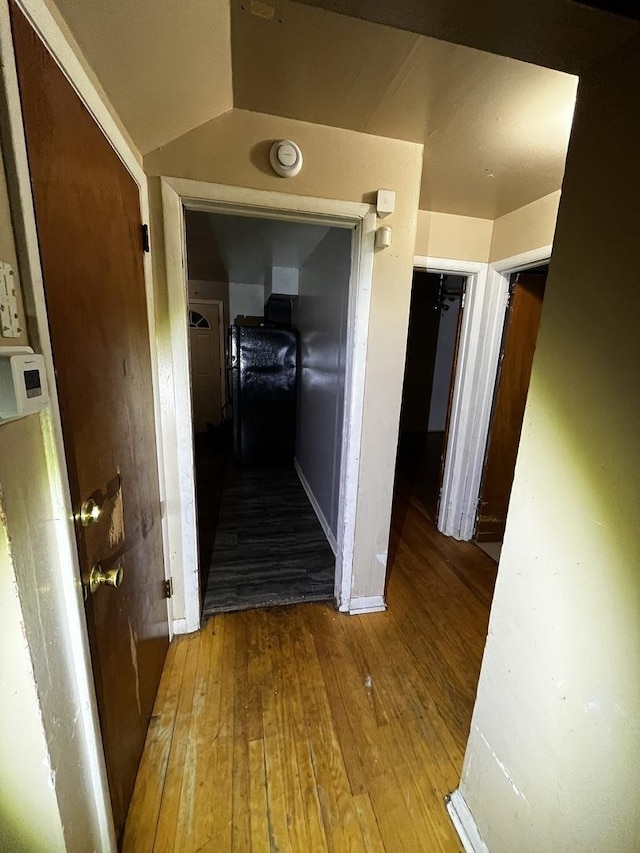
(385,202)
(9,319)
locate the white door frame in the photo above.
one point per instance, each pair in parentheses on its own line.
(486,299)
(223,378)
(181,194)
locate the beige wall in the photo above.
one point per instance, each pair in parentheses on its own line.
(465,238)
(338,164)
(529,227)
(445,235)
(29,818)
(553,760)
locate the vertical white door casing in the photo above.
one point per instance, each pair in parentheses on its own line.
(176,195)
(207,362)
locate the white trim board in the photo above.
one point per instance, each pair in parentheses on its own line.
(178,194)
(367,604)
(486,299)
(331,539)
(464,824)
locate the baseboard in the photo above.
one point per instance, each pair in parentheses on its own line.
(180,626)
(464,823)
(367,604)
(331,539)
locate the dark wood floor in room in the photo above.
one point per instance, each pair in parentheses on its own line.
(301,729)
(269,547)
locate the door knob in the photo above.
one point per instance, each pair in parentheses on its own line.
(89,512)
(105,577)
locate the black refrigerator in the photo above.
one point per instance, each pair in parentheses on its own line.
(263,368)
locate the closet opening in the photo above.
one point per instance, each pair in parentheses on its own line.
(435,319)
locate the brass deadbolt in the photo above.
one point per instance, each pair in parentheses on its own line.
(89,512)
(105,577)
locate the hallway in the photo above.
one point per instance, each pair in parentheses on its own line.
(300,729)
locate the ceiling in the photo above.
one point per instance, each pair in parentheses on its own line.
(164,65)
(495,129)
(561,34)
(226,239)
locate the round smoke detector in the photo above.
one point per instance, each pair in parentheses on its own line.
(286,158)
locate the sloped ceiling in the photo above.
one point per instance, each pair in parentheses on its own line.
(225,240)
(495,129)
(559,34)
(165,65)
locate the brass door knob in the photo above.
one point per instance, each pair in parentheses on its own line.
(89,512)
(105,577)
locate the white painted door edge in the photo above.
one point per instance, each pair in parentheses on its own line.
(331,539)
(464,824)
(486,301)
(178,194)
(367,604)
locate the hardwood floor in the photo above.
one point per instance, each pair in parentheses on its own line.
(301,729)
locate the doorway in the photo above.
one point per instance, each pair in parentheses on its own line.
(435,320)
(268,405)
(522,319)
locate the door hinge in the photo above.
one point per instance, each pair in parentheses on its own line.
(145,238)
(168,588)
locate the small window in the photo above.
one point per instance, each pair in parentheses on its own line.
(198,321)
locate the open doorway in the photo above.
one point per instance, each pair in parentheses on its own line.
(522,319)
(268,368)
(435,318)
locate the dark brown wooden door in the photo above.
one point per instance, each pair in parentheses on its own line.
(89,230)
(519,344)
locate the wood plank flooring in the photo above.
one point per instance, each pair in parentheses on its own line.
(301,729)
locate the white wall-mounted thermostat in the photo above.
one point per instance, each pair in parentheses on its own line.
(23,383)
(286,158)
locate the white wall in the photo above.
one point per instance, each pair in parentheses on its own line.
(553,759)
(247,299)
(282,280)
(442,370)
(323,303)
